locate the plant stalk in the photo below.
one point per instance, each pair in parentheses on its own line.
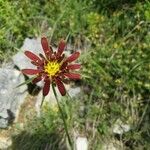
(63,118)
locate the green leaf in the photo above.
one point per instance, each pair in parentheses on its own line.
(137,65)
(26,82)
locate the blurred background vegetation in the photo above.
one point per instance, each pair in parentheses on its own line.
(114,38)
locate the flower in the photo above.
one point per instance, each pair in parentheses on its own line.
(54,67)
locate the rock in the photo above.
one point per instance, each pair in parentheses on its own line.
(81,143)
(5,143)
(112,144)
(50,98)
(10,97)
(120,128)
(33,45)
(73,92)
(109,146)
(8,65)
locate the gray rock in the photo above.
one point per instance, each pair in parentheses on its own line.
(10,97)
(109,146)
(119,127)
(49,99)
(33,45)
(8,65)
(81,143)
(112,144)
(73,92)
(5,143)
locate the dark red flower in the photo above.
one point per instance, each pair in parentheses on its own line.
(54,67)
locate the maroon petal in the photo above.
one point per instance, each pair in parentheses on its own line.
(35,63)
(46,47)
(42,56)
(72,75)
(46,87)
(73,57)
(60,86)
(37,79)
(63,66)
(73,66)
(61,47)
(32,56)
(30,71)
(60,58)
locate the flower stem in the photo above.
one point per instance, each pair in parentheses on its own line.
(63,118)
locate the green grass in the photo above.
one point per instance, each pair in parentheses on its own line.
(115,41)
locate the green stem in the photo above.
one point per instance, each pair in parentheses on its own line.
(42,101)
(63,117)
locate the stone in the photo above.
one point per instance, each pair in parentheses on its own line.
(49,99)
(5,143)
(33,45)
(81,143)
(10,97)
(109,146)
(112,144)
(8,65)
(73,92)
(119,127)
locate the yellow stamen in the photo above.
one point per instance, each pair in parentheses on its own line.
(52,68)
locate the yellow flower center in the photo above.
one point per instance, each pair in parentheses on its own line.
(52,68)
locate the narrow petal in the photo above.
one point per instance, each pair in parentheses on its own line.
(63,66)
(60,86)
(32,56)
(35,63)
(46,47)
(61,47)
(46,87)
(60,58)
(30,71)
(73,66)
(37,79)
(72,75)
(42,56)
(73,57)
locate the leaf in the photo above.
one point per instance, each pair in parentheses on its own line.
(137,65)
(26,82)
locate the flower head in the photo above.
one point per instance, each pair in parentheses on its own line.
(53,68)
